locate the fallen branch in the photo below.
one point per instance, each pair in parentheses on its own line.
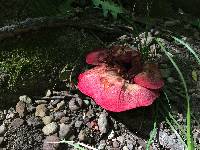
(35,24)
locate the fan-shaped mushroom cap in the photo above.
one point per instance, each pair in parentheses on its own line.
(150,77)
(111,91)
(97,56)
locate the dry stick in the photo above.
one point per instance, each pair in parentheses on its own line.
(35,24)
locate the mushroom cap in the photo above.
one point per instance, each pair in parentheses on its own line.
(150,77)
(111,91)
(97,56)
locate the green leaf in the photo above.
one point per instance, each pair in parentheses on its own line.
(194,75)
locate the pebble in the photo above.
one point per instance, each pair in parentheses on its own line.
(41,110)
(120,139)
(58,115)
(125,148)
(78,123)
(75,104)
(34,121)
(111,135)
(49,93)
(50,128)
(60,105)
(47,145)
(65,130)
(2,129)
(102,145)
(116,144)
(55,102)
(64,120)
(21,108)
(47,119)
(25,99)
(82,136)
(103,123)
(40,102)
(16,123)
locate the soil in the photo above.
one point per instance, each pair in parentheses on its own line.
(62,112)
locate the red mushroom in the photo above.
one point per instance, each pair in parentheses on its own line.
(97,56)
(111,91)
(150,77)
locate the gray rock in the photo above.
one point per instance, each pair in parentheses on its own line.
(51,143)
(49,93)
(58,115)
(78,123)
(103,123)
(41,110)
(75,104)
(55,102)
(82,136)
(47,119)
(120,139)
(125,148)
(2,129)
(25,99)
(21,108)
(102,145)
(40,102)
(60,105)
(64,120)
(34,121)
(16,123)
(65,130)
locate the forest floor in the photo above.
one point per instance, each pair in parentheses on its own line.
(53,109)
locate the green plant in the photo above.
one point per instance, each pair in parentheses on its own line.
(108,7)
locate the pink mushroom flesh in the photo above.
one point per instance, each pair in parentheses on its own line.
(112,92)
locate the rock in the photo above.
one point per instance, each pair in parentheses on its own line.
(78,123)
(111,135)
(25,99)
(116,144)
(120,139)
(102,145)
(2,129)
(55,102)
(47,145)
(21,108)
(34,121)
(41,110)
(50,128)
(16,123)
(65,130)
(86,102)
(47,119)
(64,120)
(49,93)
(75,103)
(82,136)
(103,123)
(125,148)
(58,115)
(60,105)
(30,108)
(40,102)
(1,140)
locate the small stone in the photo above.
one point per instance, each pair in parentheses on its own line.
(49,93)
(47,119)
(58,115)
(40,102)
(111,135)
(102,145)
(60,105)
(51,143)
(34,121)
(16,123)
(86,102)
(50,128)
(116,144)
(30,108)
(21,108)
(25,99)
(2,129)
(78,123)
(103,123)
(64,120)
(82,136)
(41,110)
(125,148)
(1,140)
(120,139)
(55,102)
(75,104)
(65,130)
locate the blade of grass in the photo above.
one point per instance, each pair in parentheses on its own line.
(188,47)
(152,135)
(189,138)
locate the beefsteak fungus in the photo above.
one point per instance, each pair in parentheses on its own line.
(108,83)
